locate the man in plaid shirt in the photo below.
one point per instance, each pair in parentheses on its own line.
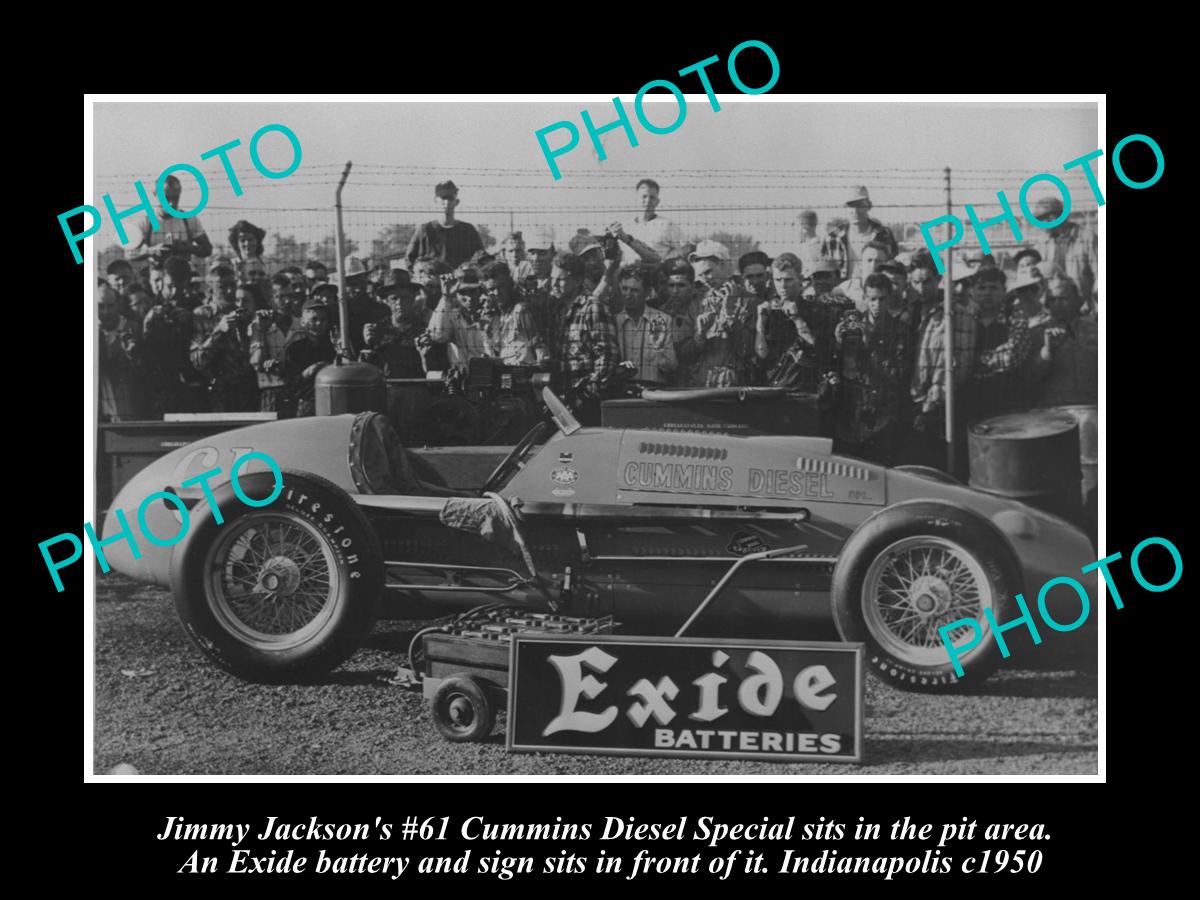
(874,370)
(646,336)
(583,337)
(1001,346)
(926,445)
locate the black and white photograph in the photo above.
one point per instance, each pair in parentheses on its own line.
(537,437)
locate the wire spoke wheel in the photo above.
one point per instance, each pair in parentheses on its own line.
(916,586)
(272,580)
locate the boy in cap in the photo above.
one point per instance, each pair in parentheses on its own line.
(308,350)
(450,240)
(725,327)
(845,244)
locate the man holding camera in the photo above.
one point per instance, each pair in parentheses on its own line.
(183,238)
(223,356)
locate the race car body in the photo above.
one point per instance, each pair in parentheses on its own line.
(637,524)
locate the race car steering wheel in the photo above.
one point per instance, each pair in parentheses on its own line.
(515,461)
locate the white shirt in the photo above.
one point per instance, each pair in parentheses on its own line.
(663,236)
(171,228)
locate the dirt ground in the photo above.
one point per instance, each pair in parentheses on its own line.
(162,708)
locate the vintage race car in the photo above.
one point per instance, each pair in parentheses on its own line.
(641,525)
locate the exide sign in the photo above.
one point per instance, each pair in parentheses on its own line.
(698,697)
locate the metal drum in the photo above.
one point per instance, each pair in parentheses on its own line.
(1031,456)
(349,387)
(1088,419)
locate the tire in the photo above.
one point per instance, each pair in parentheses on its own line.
(910,552)
(462,710)
(284,634)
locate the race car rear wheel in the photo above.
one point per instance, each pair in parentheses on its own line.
(284,592)
(912,569)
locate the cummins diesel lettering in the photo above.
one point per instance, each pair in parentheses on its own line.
(677,477)
(786,483)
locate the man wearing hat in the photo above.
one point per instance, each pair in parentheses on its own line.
(1027,297)
(361,306)
(822,279)
(1068,247)
(709,261)
(1063,366)
(392,346)
(451,241)
(308,350)
(845,244)
(458,321)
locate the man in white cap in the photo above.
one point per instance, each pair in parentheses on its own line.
(1067,247)
(710,261)
(845,245)
(533,273)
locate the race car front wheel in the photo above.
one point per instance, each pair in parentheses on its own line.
(284,592)
(912,569)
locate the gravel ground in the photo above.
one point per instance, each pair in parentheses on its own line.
(160,707)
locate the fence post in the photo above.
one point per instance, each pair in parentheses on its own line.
(948,337)
(343,302)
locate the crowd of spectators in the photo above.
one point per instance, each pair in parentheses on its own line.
(848,316)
